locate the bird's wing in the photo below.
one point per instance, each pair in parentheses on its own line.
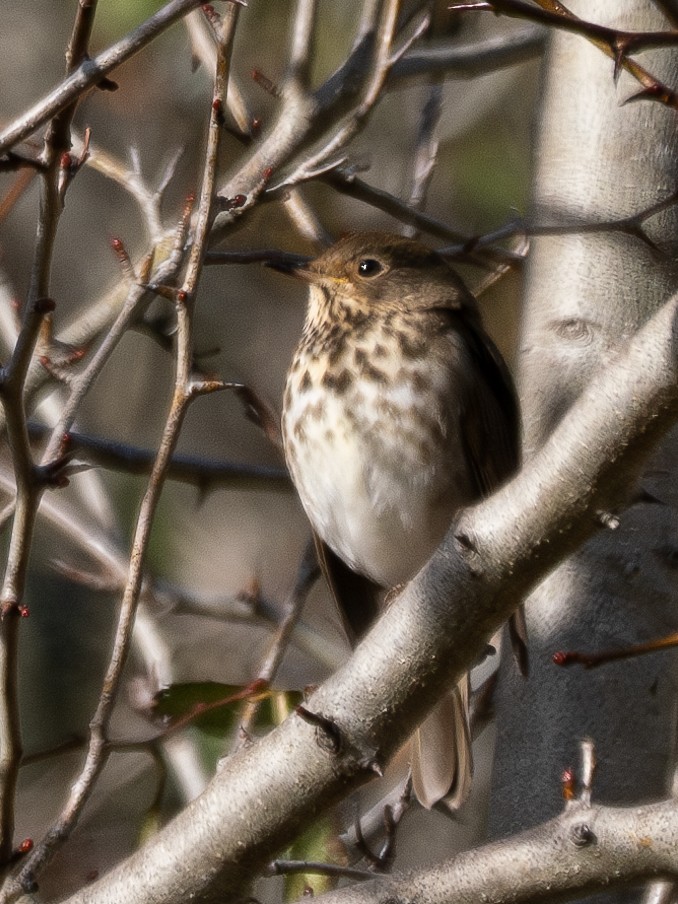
(356,596)
(489,426)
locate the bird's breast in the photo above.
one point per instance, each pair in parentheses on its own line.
(372,445)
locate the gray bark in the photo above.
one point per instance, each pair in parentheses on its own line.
(597,161)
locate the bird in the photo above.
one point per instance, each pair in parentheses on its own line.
(398,411)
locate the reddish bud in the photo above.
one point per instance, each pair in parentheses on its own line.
(216,105)
(66,161)
(188,208)
(234,203)
(561,658)
(567,781)
(255,125)
(267,173)
(25,846)
(25,612)
(182,295)
(92,875)
(211,13)
(265,83)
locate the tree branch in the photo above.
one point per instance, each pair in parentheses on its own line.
(92,71)
(584,850)
(428,636)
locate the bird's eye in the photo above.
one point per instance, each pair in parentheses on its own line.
(369,267)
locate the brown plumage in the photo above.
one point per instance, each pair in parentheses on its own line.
(398,411)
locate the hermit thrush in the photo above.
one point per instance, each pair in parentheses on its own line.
(398,411)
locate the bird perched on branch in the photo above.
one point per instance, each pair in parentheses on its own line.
(398,411)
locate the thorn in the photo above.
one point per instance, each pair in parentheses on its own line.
(656,92)
(107,84)
(619,56)
(370,764)
(326,729)
(465,542)
(204,387)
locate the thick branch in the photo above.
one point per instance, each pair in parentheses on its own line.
(586,849)
(428,636)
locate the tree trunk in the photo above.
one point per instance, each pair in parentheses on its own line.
(597,161)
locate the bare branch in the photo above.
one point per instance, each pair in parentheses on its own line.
(424,641)
(616,43)
(92,71)
(300,46)
(471,59)
(307,574)
(385,56)
(426,150)
(583,850)
(98,749)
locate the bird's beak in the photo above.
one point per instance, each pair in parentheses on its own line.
(292,266)
(302,268)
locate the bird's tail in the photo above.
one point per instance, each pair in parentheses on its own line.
(441,757)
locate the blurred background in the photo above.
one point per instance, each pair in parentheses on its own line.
(208,546)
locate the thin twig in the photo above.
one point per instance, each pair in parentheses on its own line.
(92,71)
(307,574)
(336,870)
(616,43)
(475,58)
(80,386)
(185,390)
(426,151)
(29,483)
(300,56)
(383,59)
(191,469)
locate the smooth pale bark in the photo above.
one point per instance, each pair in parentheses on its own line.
(596,161)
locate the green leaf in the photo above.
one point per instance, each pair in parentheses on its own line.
(215,708)
(319,843)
